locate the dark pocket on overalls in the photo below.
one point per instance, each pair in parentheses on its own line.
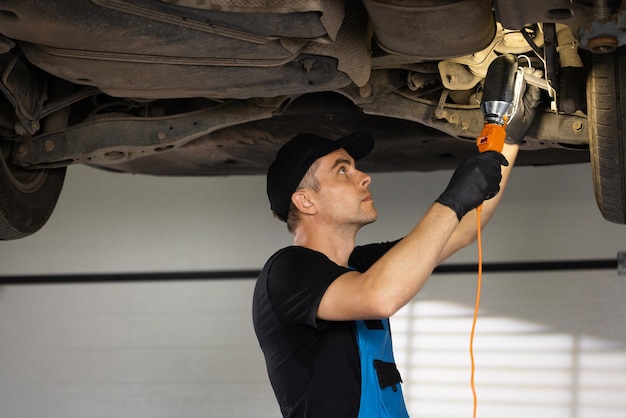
(388,374)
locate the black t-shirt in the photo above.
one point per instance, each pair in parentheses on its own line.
(313,364)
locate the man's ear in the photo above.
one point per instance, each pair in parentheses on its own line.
(302,200)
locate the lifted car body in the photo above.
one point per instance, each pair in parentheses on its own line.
(214,87)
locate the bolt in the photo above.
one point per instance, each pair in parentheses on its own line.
(307,65)
(161,135)
(365,91)
(577,126)
(601,10)
(49,145)
(20,129)
(21,150)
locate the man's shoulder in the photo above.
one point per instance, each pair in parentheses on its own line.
(295,252)
(301,262)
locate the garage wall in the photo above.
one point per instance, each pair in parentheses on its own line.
(178,349)
(552,344)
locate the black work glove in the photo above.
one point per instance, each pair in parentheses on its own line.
(526,109)
(475,180)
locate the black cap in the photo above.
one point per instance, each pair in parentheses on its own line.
(296,156)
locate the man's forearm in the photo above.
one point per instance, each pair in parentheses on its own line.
(467,230)
(399,275)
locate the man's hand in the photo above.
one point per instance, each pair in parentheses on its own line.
(519,126)
(475,180)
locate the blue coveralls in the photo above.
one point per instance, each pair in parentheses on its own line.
(381,393)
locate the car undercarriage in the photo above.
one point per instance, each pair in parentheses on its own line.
(214,87)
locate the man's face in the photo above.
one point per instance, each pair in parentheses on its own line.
(343,195)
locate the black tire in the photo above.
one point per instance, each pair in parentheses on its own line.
(27,197)
(606,107)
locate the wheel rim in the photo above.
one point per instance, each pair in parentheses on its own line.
(26,181)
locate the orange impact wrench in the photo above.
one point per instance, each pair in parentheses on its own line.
(499,94)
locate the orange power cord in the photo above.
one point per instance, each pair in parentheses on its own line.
(476,306)
(491,138)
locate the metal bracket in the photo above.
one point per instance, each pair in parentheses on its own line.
(463,122)
(621,263)
(114,140)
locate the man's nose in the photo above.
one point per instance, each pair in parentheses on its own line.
(366,180)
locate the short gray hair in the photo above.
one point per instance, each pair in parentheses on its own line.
(309,181)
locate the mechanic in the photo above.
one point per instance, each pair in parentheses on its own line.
(321,306)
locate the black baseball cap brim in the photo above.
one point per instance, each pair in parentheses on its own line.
(295,157)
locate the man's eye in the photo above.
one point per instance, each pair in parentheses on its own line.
(342,170)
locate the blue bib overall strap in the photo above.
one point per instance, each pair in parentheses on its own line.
(381,393)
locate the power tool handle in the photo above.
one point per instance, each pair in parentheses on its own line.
(491,138)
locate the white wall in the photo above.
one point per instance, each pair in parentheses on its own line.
(158,350)
(107,222)
(549,344)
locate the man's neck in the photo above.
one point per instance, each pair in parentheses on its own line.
(336,244)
